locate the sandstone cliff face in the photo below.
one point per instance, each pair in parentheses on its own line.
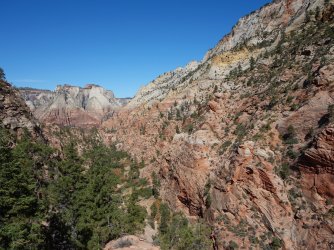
(231,138)
(72,106)
(263,25)
(14,114)
(317,166)
(159,88)
(261,29)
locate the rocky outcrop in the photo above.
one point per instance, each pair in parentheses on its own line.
(14,113)
(162,86)
(264,25)
(317,165)
(320,157)
(73,106)
(130,242)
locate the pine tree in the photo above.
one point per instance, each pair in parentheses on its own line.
(2,74)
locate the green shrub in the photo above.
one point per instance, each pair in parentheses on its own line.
(294,107)
(289,99)
(291,153)
(284,171)
(252,63)
(164,219)
(177,129)
(273,102)
(233,245)
(276,243)
(331,212)
(2,74)
(189,128)
(265,128)
(240,131)
(290,137)
(331,113)
(224,147)
(309,134)
(179,234)
(145,192)
(156,185)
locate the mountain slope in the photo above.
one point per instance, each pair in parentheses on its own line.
(251,36)
(244,139)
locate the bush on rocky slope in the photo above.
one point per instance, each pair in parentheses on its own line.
(175,231)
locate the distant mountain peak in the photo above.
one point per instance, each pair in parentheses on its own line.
(72,105)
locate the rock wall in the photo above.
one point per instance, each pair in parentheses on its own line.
(14,113)
(73,106)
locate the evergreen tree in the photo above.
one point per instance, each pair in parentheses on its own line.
(2,74)
(22,192)
(252,63)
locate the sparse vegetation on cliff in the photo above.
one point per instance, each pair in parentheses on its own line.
(175,232)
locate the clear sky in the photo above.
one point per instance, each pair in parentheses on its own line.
(118,44)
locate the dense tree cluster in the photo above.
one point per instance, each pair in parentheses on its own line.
(68,202)
(175,232)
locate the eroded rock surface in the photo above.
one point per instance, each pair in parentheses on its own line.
(73,106)
(225,136)
(317,165)
(14,114)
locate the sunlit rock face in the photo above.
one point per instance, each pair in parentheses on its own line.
(243,138)
(72,106)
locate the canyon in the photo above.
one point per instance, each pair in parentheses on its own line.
(243,140)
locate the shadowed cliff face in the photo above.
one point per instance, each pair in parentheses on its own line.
(231,136)
(14,114)
(72,106)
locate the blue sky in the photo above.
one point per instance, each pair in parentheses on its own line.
(118,44)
